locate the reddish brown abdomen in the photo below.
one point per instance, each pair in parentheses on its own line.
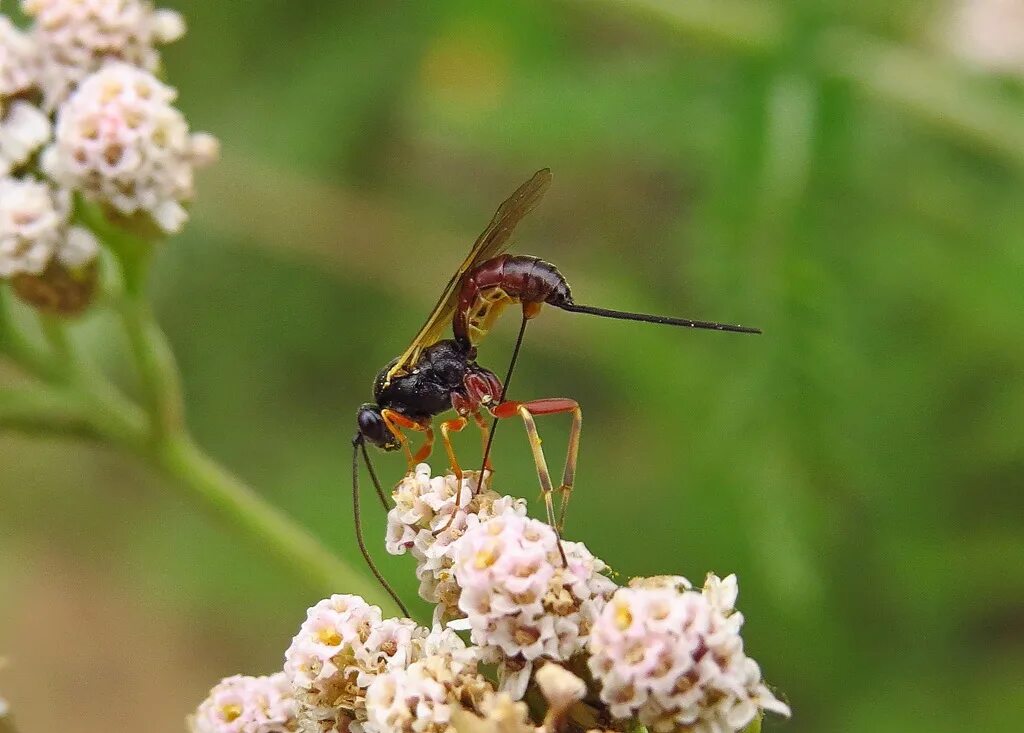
(492,285)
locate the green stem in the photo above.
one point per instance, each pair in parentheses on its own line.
(239,506)
(20,349)
(154,360)
(40,410)
(86,405)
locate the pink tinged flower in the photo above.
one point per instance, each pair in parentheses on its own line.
(77,37)
(673,657)
(430,515)
(243,704)
(120,141)
(520,602)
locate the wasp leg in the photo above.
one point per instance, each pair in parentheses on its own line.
(527,411)
(395,422)
(485,435)
(453,426)
(448,426)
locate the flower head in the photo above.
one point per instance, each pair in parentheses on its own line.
(120,141)
(674,657)
(243,704)
(522,603)
(429,516)
(76,37)
(34,228)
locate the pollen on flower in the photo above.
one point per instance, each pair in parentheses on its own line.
(243,704)
(77,37)
(679,663)
(120,141)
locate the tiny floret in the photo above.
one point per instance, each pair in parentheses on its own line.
(422,697)
(77,37)
(120,141)
(19,60)
(674,657)
(521,601)
(243,704)
(34,228)
(23,130)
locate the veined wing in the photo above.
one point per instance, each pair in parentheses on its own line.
(491,242)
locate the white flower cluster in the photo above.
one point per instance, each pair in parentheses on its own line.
(522,601)
(34,229)
(80,107)
(658,653)
(343,646)
(119,140)
(429,516)
(243,704)
(76,37)
(673,657)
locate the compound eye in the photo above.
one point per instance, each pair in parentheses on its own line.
(372,426)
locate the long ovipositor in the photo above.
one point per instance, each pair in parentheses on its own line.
(488,289)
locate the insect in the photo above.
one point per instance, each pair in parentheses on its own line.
(435,375)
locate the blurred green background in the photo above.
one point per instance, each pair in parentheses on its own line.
(822,170)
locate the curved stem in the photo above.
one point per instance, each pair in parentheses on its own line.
(20,349)
(40,410)
(154,360)
(79,401)
(236,504)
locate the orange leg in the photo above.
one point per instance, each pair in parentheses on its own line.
(449,426)
(527,411)
(395,422)
(485,435)
(453,426)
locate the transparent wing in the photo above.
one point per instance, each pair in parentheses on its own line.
(493,241)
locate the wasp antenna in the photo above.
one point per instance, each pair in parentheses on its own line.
(648,318)
(376,481)
(358,445)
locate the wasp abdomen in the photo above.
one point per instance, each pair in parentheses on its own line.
(492,285)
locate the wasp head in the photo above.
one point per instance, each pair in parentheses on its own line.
(373,429)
